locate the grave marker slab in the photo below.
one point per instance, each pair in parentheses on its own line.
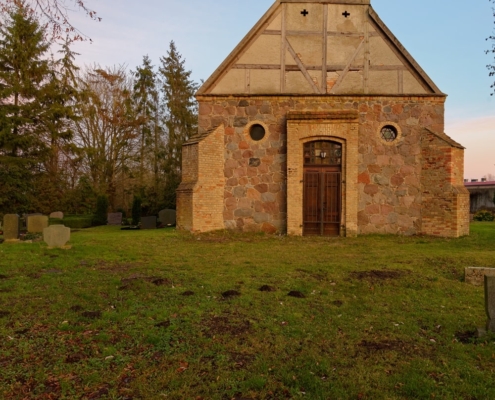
(148,222)
(11,227)
(36,223)
(57,214)
(167,217)
(114,218)
(475,275)
(490,302)
(56,236)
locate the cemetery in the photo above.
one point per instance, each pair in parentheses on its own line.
(297,227)
(129,314)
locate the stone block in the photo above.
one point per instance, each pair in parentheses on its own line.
(475,275)
(167,217)
(148,222)
(57,215)
(490,302)
(114,218)
(36,223)
(56,236)
(11,227)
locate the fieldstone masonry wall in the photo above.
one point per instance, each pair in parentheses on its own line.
(394,180)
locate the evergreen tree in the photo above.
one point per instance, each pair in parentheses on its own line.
(34,108)
(145,95)
(24,75)
(180,116)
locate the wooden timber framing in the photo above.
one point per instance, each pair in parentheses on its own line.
(302,67)
(366,75)
(347,67)
(318,33)
(283,50)
(329,68)
(324,70)
(373,27)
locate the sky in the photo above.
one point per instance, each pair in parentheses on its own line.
(446,37)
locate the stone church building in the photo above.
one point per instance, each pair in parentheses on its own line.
(321,123)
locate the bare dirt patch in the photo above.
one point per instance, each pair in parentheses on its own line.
(91,314)
(230,293)
(296,294)
(227,324)
(163,324)
(267,288)
(466,337)
(187,293)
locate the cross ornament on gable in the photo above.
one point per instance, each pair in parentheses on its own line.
(304,12)
(346,14)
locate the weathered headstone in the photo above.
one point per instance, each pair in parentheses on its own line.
(56,235)
(167,217)
(11,227)
(148,222)
(490,302)
(57,215)
(36,223)
(114,218)
(475,275)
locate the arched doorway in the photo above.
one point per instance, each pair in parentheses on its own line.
(322,194)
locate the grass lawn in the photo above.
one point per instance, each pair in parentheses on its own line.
(141,315)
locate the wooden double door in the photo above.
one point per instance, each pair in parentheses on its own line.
(322,196)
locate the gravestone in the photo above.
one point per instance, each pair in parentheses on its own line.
(11,227)
(167,217)
(148,222)
(475,275)
(56,236)
(57,215)
(490,302)
(114,218)
(36,223)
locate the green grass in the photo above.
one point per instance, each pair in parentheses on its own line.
(107,319)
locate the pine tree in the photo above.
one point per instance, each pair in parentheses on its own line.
(24,74)
(34,108)
(180,116)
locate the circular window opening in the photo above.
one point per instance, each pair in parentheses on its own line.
(257,132)
(389,133)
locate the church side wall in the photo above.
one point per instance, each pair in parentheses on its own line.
(445,205)
(389,174)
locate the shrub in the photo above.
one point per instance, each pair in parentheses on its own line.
(484,215)
(55,221)
(136,210)
(78,222)
(100,217)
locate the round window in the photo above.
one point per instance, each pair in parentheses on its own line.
(257,132)
(389,133)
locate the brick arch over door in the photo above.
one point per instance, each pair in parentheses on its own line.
(303,127)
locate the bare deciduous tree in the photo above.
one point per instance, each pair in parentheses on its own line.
(53,15)
(108,130)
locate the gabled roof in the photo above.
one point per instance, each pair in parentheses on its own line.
(319,47)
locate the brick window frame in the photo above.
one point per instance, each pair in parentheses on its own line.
(394,142)
(247,129)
